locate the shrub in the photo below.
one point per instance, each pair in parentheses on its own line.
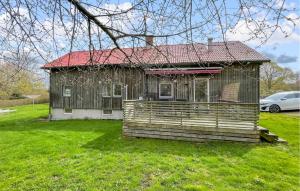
(14,102)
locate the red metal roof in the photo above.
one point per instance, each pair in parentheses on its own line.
(169,72)
(164,54)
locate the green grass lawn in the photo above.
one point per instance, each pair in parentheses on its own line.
(93,155)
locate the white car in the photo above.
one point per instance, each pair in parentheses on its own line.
(281,101)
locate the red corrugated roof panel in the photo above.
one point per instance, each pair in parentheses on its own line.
(165,54)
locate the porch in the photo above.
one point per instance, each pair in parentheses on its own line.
(192,121)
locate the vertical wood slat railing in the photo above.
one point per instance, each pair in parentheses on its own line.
(198,114)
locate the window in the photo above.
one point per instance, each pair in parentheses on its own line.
(290,96)
(293,95)
(106,90)
(165,90)
(117,90)
(107,112)
(201,89)
(297,95)
(68,110)
(67,91)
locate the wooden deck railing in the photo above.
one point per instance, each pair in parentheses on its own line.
(187,114)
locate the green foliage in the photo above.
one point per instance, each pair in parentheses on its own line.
(274,78)
(15,82)
(93,155)
(44,98)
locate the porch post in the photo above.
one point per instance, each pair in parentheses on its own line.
(217,116)
(150,113)
(256,110)
(181,118)
(208,96)
(194,91)
(126,91)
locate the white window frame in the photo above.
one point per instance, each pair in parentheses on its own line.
(208,88)
(64,91)
(111,112)
(114,86)
(68,113)
(172,90)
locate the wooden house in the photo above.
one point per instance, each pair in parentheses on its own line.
(183,91)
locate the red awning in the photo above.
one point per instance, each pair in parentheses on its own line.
(178,71)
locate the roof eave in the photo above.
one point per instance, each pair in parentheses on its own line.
(156,64)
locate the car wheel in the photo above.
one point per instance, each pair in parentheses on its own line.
(274,108)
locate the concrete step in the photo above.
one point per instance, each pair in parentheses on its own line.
(262,129)
(280,140)
(267,136)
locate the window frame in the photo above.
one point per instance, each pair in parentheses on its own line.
(68,111)
(297,95)
(113,93)
(172,90)
(64,89)
(288,96)
(207,88)
(104,111)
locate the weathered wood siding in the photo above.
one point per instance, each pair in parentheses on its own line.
(246,75)
(87,87)
(182,86)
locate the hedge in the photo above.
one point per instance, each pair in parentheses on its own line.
(15,102)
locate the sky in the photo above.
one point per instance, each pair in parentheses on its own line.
(284,50)
(286,53)
(279,48)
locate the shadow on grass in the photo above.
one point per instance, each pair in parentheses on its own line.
(110,139)
(62,125)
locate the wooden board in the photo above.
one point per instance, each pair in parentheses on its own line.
(194,120)
(166,131)
(188,136)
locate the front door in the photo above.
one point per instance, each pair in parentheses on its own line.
(182,91)
(201,90)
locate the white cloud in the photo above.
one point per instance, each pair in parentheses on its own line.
(257,33)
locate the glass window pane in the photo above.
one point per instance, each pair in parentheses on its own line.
(290,96)
(107,111)
(165,90)
(117,90)
(67,91)
(68,110)
(201,90)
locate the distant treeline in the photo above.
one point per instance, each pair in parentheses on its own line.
(14,102)
(274,78)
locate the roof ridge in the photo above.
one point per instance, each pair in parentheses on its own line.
(144,47)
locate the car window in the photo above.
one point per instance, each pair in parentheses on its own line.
(276,96)
(297,95)
(290,96)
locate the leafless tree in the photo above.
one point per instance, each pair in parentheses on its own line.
(47,29)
